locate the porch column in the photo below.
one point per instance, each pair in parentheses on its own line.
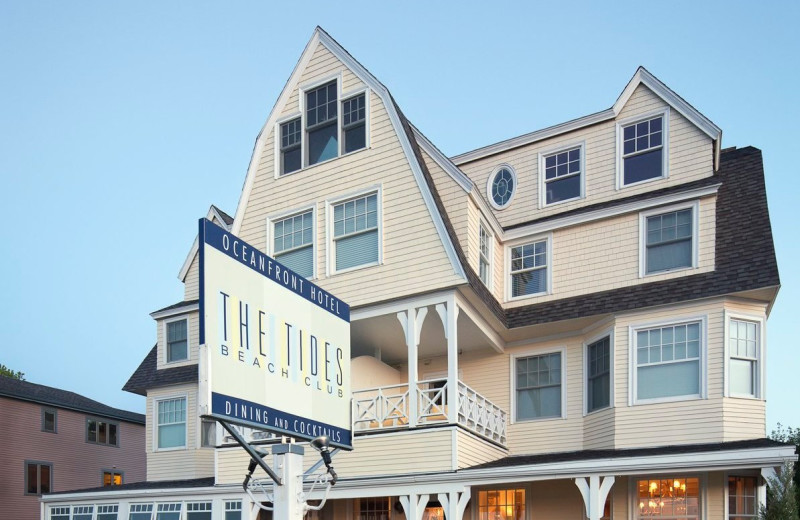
(454,503)
(594,493)
(449,315)
(414,505)
(411,321)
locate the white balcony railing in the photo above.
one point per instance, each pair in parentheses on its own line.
(387,408)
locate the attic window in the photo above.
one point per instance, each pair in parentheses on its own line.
(502,183)
(643,148)
(321,118)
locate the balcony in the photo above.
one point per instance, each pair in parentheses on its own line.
(391,408)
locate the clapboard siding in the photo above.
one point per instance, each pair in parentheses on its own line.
(472,450)
(191,462)
(690,158)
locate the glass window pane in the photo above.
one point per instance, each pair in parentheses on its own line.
(322,144)
(357,250)
(670,380)
(642,167)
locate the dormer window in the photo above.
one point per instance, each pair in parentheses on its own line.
(321,119)
(643,149)
(561,177)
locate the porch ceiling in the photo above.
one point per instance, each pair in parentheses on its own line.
(385,335)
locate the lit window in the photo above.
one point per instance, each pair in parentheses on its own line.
(484,254)
(49,420)
(744,353)
(669,498)
(669,241)
(168,512)
(321,118)
(82,512)
(598,370)
(374,508)
(177,340)
(355,232)
(291,154)
(538,386)
(140,512)
(107,512)
(501,187)
(293,243)
(38,478)
(172,423)
(101,432)
(529,269)
(501,504)
(668,361)
(112,478)
(643,150)
(354,128)
(742,498)
(562,176)
(233,510)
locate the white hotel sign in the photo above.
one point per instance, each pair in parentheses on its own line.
(277,346)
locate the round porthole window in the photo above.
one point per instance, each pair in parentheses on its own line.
(502,183)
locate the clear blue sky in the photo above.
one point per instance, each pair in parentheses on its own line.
(121,122)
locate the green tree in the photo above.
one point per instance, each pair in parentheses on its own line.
(781,500)
(790,435)
(7,372)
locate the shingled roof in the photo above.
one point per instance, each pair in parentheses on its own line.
(143,486)
(57,398)
(148,375)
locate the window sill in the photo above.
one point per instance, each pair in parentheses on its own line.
(744,397)
(674,399)
(622,185)
(356,268)
(179,448)
(551,204)
(326,161)
(526,296)
(599,410)
(539,420)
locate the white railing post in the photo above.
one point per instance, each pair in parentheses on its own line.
(449,315)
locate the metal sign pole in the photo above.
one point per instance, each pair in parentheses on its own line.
(288,503)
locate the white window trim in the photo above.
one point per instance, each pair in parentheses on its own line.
(155,422)
(344,96)
(695,207)
(490,239)
(513,379)
(760,383)
(489,186)
(507,270)
(609,332)
(664,144)
(633,400)
(276,132)
(275,217)
(702,510)
(165,325)
(760,489)
(330,246)
(544,154)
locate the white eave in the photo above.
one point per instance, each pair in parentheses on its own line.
(641,77)
(213,213)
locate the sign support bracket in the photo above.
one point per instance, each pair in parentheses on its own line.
(254,455)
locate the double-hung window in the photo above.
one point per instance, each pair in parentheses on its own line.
(82,512)
(112,477)
(598,374)
(743,352)
(529,269)
(49,420)
(563,176)
(107,512)
(290,146)
(171,423)
(293,243)
(668,361)
(354,127)
(484,255)
(198,511)
(177,340)
(170,511)
(356,237)
(322,129)
(669,240)
(140,512)
(643,149)
(233,510)
(538,386)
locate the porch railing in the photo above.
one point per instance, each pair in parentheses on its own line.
(387,408)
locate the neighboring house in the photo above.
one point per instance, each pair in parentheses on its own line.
(567,324)
(53,440)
